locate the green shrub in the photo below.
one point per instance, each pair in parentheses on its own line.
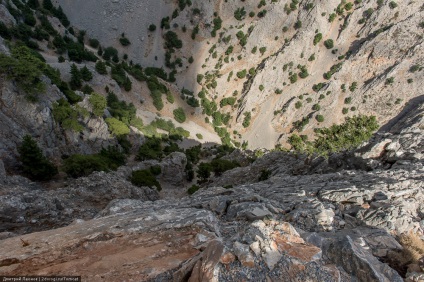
(229,50)
(219,166)
(101,67)
(119,75)
(25,68)
(329,43)
(228,101)
(199,136)
(299,125)
(193,189)
(144,177)
(120,109)
(152,27)
(242,74)
(157,99)
(337,138)
(179,115)
(393,4)
(217,24)
(153,71)
(98,103)
(76,78)
(246,120)
(317,38)
(319,118)
(333,70)
(155,169)
(345,136)
(298,24)
(298,105)
(150,150)
(86,74)
(265,174)
(109,53)
(348,100)
(242,38)
(200,78)
(117,127)
(172,40)
(124,41)
(353,86)
(318,87)
(262,13)
(293,78)
(34,164)
(390,80)
(348,6)
(66,116)
(316,107)
(303,72)
(83,165)
(262,50)
(94,43)
(239,14)
(195,32)
(415,68)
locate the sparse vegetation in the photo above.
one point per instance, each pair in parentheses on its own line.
(337,138)
(82,165)
(246,120)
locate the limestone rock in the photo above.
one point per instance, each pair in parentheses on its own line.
(173,168)
(243,254)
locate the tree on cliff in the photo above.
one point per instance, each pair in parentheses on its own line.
(34,163)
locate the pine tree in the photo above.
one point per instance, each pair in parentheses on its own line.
(33,4)
(62,16)
(86,74)
(34,163)
(75,82)
(47,4)
(127,84)
(100,51)
(101,67)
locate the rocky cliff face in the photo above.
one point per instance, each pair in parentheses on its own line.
(329,224)
(375,45)
(19,117)
(260,71)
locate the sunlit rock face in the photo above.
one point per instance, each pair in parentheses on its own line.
(282,53)
(280,215)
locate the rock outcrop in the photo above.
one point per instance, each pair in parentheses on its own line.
(338,225)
